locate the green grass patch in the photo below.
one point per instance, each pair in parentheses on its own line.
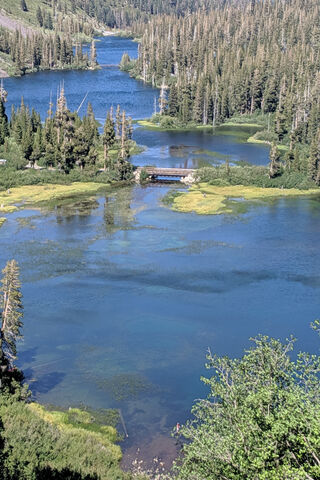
(40,194)
(256,140)
(2,220)
(164,123)
(244,124)
(206,199)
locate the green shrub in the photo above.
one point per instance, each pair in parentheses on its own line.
(253,175)
(33,440)
(144,176)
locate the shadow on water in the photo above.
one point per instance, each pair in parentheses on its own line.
(44,383)
(28,356)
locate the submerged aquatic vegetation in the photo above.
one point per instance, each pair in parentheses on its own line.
(125,385)
(26,222)
(211,153)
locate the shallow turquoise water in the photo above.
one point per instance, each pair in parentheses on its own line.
(123,296)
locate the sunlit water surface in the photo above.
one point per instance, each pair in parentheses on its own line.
(123,296)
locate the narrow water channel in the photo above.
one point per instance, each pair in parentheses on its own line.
(123,296)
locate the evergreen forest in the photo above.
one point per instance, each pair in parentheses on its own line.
(65,142)
(241,59)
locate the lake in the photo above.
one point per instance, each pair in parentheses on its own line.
(124,296)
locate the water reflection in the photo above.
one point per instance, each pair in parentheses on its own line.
(118,213)
(75,210)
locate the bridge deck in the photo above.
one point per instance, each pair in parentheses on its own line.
(168,172)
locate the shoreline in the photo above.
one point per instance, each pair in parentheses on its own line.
(4,74)
(149,124)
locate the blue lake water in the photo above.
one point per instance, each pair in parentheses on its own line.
(108,87)
(123,296)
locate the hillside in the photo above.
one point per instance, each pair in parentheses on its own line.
(37,35)
(25,14)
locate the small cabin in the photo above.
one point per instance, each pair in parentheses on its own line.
(3,161)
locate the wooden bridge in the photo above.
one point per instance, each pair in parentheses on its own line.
(155,172)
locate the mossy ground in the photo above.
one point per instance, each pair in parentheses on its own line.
(36,195)
(39,194)
(206,199)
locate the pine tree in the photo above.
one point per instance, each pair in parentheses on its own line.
(4,125)
(37,148)
(173,106)
(289,159)
(35,120)
(108,138)
(49,22)
(12,313)
(314,158)
(124,144)
(163,99)
(26,143)
(280,124)
(274,165)
(93,55)
(118,121)
(68,156)
(39,16)
(60,115)
(23,4)
(90,125)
